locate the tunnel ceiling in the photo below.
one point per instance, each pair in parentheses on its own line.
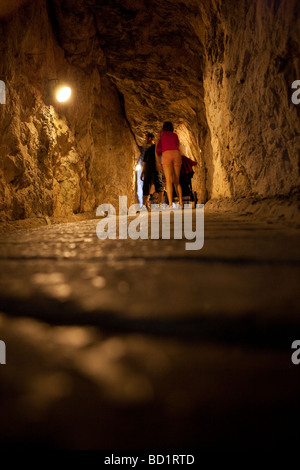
(10,6)
(152,53)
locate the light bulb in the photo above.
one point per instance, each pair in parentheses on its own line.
(64,94)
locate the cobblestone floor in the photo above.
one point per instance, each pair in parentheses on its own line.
(123,344)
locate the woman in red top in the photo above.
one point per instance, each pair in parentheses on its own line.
(168,148)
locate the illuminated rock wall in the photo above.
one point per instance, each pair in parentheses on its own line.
(58,159)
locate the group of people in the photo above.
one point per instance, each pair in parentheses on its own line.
(164,156)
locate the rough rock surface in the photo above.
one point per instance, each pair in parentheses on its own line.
(221,70)
(253,57)
(58,159)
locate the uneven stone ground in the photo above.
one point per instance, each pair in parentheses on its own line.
(124,344)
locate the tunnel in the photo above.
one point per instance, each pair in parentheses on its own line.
(120,342)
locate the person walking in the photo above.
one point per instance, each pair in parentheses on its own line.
(150,175)
(168,148)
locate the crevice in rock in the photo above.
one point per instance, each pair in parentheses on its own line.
(122,104)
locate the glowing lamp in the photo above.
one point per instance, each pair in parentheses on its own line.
(138,167)
(63,94)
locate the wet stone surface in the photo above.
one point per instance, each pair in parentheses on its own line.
(141,344)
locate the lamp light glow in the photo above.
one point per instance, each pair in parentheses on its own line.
(138,167)
(63,94)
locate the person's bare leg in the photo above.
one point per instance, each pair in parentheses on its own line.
(145,199)
(160,197)
(168,170)
(177,169)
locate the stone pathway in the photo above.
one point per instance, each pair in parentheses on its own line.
(123,344)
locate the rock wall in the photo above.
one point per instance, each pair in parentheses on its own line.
(252,58)
(58,159)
